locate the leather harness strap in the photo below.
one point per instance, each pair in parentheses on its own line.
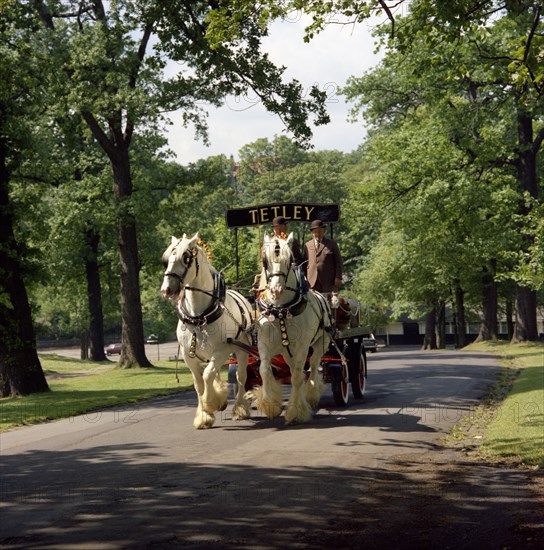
(215,309)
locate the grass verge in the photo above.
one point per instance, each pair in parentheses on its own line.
(79,387)
(508,426)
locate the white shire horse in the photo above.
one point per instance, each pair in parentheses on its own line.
(293,319)
(210,318)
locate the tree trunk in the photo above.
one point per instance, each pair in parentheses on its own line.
(94,292)
(84,345)
(460,321)
(441,326)
(525,328)
(488,324)
(429,341)
(509,319)
(116,147)
(20,369)
(132,336)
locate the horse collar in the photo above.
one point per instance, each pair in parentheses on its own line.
(292,309)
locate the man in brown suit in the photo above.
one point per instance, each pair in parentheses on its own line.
(324,262)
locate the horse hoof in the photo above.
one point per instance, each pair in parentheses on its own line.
(203,421)
(269,405)
(271,410)
(314,405)
(240,412)
(295,415)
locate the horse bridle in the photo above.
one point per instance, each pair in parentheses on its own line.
(188,257)
(285,311)
(268,275)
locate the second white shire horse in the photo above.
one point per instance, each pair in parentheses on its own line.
(293,319)
(210,317)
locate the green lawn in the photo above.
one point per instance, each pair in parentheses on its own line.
(514,426)
(78,387)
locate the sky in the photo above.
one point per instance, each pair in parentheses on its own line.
(337,53)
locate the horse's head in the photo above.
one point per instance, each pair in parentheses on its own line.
(181,260)
(277,258)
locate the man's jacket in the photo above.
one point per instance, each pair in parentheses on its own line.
(324,264)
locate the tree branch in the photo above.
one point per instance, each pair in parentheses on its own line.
(478,6)
(99,10)
(129,130)
(45,14)
(491,12)
(531,34)
(537,143)
(98,133)
(386,9)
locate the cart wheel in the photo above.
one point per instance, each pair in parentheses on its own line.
(358,378)
(340,388)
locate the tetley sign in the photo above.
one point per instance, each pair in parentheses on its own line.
(296,212)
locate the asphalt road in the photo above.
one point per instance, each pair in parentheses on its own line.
(142,477)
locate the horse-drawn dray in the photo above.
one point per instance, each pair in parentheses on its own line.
(285,334)
(342,365)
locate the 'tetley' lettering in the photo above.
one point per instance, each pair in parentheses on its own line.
(264,215)
(309,211)
(288,211)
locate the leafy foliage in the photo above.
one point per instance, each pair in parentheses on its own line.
(431,199)
(444,157)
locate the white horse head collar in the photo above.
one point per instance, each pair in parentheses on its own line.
(178,259)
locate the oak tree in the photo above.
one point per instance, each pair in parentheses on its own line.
(113,58)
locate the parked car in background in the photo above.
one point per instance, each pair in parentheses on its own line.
(152,339)
(370,344)
(113,349)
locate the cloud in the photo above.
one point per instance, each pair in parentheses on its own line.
(337,53)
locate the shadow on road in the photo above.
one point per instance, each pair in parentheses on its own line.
(128,497)
(406,491)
